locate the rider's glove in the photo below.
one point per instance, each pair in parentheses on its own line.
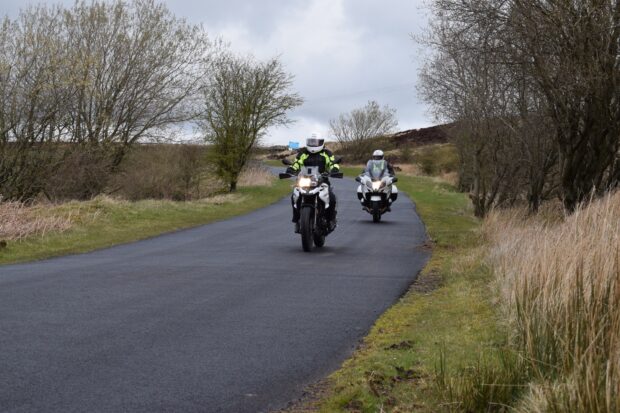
(291,171)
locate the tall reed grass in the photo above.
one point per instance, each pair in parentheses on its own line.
(256,175)
(559,284)
(18,221)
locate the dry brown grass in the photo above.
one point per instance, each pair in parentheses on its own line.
(411,169)
(18,221)
(559,282)
(256,175)
(222,199)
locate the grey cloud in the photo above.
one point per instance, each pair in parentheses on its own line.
(341,56)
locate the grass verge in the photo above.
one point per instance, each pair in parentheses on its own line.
(104,222)
(436,331)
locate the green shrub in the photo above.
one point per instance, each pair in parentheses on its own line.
(437,159)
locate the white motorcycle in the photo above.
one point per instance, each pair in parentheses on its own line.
(311,195)
(376,191)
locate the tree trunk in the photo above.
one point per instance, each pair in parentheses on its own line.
(233,186)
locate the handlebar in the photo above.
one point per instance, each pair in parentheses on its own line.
(332,175)
(285,175)
(394,178)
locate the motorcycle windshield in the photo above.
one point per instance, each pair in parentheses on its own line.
(376,169)
(310,171)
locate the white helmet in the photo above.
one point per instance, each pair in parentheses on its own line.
(377,155)
(314,143)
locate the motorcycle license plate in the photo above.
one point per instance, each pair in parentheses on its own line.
(375,198)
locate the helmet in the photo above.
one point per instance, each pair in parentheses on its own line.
(377,155)
(314,143)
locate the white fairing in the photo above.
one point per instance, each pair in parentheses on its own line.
(324,194)
(366,186)
(376,190)
(322,190)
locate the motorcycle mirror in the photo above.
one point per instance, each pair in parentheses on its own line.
(286,162)
(337,175)
(358,179)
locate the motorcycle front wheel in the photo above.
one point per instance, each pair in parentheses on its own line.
(306,228)
(376,211)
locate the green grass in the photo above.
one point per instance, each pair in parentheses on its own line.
(428,337)
(103,222)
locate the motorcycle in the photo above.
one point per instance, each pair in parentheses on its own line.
(376,191)
(311,195)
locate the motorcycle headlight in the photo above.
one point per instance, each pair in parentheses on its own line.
(376,185)
(304,182)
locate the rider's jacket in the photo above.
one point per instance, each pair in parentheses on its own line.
(378,167)
(324,160)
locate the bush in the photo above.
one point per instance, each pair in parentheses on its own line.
(406,154)
(437,159)
(176,172)
(82,172)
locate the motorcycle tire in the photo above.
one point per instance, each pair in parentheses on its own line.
(306,228)
(376,211)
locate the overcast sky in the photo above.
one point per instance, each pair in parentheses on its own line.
(341,52)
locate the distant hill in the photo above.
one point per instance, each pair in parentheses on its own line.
(391,144)
(419,137)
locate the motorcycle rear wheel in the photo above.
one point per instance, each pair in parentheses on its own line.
(306,228)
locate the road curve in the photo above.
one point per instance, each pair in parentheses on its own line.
(226,317)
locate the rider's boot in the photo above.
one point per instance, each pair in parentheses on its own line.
(332,225)
(332,222)
(295,220)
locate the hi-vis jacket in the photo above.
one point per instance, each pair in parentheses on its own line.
(324,160)
(378,167)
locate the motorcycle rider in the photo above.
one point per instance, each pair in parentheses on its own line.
(315,154)
(378,156)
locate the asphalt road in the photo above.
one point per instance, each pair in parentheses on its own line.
(227,317)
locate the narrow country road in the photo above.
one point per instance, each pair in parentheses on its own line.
(227,317)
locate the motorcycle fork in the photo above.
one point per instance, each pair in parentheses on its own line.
(305,202)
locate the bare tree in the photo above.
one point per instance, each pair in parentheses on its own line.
(355,130)
(33,97)
(133,71)
(242,98)
(465,85)
(80,85)
(560,63)
(572,52)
